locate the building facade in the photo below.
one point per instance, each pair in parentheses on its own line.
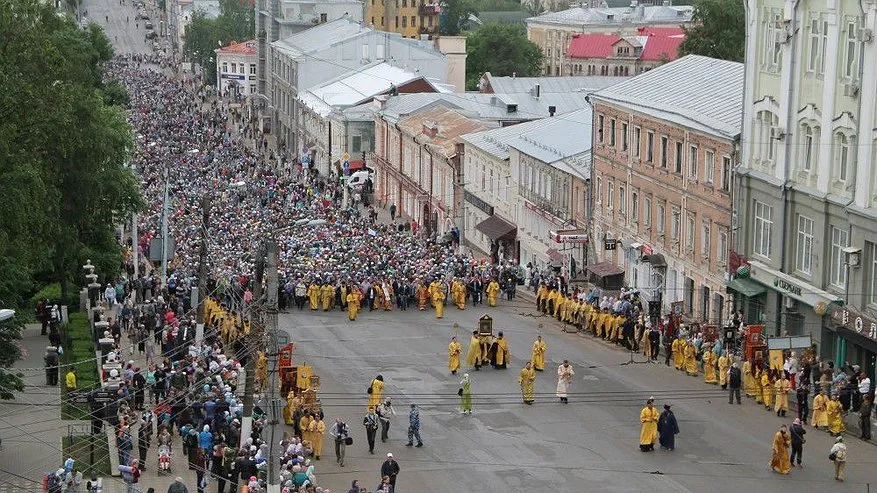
(236,70)
(665,147)
(807,230)
(410,18)
(611,54)
(553,31)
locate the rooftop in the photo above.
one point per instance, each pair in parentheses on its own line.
(358,87)
(547,85)
(564,142)
(493,107)
(496,141)
(245,48)
(320,37)
(448,125)
(657,44)
(643,14)
(697,92)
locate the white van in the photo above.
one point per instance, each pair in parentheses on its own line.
(361,181)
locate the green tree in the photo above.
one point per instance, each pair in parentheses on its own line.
(455,16)
(718,30)
(501,49)
(10,352)
(236,23)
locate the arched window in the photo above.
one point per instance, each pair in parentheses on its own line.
(808,146)
(844,156)
(765,138)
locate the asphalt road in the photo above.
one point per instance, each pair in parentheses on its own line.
(127,34)
(506,446)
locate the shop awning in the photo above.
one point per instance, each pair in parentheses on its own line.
(605,269)
(747,287)
(496,228)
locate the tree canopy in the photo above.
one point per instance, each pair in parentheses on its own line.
(501,49)
(64,144)
(455,16)
(236,23)
(718,30)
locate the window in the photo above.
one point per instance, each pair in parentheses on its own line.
(808,139)
(609,195)
(650,147)
(252,69)
(636,141)
(225,67)
(664,142)
(622,200)
(404,21)
(851,53)
(804,246)
(709,165)
(726,173)
(675,224)
(689,233)
(356,143)
(776,34)
(838,272)
(843,144)
(722,250)
(813,61)
(598,191)
(634,205)
(824,47)
(873,252)
(678,164)
(647,211)
(624,137)
(612,132)
(661,220)
(397,22)
(768,128)
(413,21)
(600,129)
(763,229)
(692,162)
(705,240)
(234,68)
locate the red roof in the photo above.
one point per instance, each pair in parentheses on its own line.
(659,43)
(245,48)
(591,45)
(660,47)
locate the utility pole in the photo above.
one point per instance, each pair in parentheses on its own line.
(250,367)
(272,350)
(164,251)
(202,267)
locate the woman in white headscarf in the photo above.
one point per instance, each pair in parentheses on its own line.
(465,393)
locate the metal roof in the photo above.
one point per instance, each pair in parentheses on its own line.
(561,142)
(486,106)
(547,85)
(702,93)
(496,142)
(644,14)
(320,37)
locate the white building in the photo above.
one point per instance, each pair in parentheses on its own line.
(332,49)
(236,69)
(323,124)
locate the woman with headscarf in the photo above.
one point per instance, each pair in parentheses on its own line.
(527,379)
(205,439)
(376,390)
(779,461)
(668,428)
(648,419)
(466,395)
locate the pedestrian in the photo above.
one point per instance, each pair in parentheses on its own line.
(537,356)
(668,428)
(370,421)
(51,360)
(177,486)
(414,427)
(70,379)
(130,475)
(354,487)
(527,379)
(390,469)
(735,379)
(781,398)
(865,417)
(648,418)
(125,445)
(564,380)
(797,433)
(144,437)
(779,461)
(454,351)
(802,394)
(392,212)
(340,432)
(385,412)
(465,394)
(820,410)
(838,455)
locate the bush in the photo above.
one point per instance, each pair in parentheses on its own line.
(52,292)
(78,448)
(78,350)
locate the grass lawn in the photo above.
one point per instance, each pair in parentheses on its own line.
(78,350)
(77,447)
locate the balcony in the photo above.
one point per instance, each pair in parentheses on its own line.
(430,9)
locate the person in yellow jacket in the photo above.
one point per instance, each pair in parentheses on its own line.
(820,410)
(748,379)
(835,413)
(501,352)
(70,379)
(327,292)
(317,428)
(376,391)
(473,357)
(648,419)
(454,350)
(304,427)
(538,355)
(678,348)
(690,359)
(353,300)
(527,379)
(423,295)
(767,389)
(724,368)
(541,297)
(459,294)
(313,295)
(379,296)
(492,292)
(438,302)
(759,391)
(782,388)
(709,366)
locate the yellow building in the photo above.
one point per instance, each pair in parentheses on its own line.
(410,18)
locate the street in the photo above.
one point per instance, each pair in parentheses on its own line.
(505,445)
(126,34)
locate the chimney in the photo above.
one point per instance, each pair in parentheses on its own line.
(552,110)
(430,129)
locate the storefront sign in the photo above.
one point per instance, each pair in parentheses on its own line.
(233,76)
(568,236)
(852,320)
(787,286)
(790,286)
(478,203)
